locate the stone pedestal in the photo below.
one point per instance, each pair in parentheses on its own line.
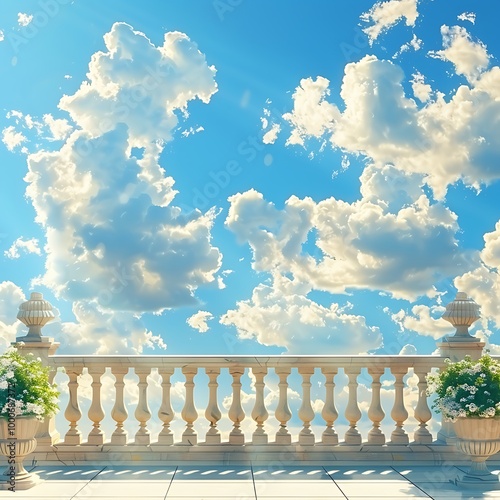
(35,313)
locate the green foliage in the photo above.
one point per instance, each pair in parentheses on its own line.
(467,388)
(25,387)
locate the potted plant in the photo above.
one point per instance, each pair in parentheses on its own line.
(26,398)
(468,394)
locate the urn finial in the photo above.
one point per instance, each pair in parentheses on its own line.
(35,313)
(461,313)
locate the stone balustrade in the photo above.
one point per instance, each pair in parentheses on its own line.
(303,432)
(259,366)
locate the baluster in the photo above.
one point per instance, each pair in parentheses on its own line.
(352,412)
(189,413)
(329,412)
(399,413)
(422,411)
(119,412)
(142,413)
(212,413)
(259,412)
(236,413)
(306,413)
(282,412)
(73,413)
(375,412)
(47,434)
(96,413)
(165,412)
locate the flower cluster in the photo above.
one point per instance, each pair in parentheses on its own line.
(25,387)
(467,388)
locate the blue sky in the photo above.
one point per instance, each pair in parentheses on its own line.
(249,177)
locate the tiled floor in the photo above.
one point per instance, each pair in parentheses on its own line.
(248,482)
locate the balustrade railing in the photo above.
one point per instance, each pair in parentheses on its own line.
(326,369)
(372,390)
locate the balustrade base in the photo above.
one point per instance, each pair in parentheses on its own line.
(20,484)
(467,481)
(272,453)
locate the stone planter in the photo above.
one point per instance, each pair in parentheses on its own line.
(479,438)
(16,441)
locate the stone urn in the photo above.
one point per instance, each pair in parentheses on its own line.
(17,440)
(478,438)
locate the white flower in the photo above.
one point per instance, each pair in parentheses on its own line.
(3,384)
(9,374)
(472,407)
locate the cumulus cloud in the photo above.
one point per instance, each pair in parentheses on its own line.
(424,320)
(392,231)
(198,321)
(446,140)
(282,315)
(12,138)
(112,232)
(11,296)
(384,15)
(141,85)
(469,58)
(421,90)
(24,246)
(408,350)
(312,115)
(24,19)
(96,331)
(2,36)
(116,244)
(59,128)
(483,282)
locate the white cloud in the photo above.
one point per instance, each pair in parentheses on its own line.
(2,36)
(11,297)
(483,283)
(384,15)
(392,231)
(282,315)
(26,246)
(415,43)
(24,19)
(312,115)
(272,134)
(408,350)
(421,90)
(469,58)
(118,225)
(11,138)
(96,331)
(59,128)
(446,140)
(134,80)
(116,244)
(198,321)
(467,16)
(424,320)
